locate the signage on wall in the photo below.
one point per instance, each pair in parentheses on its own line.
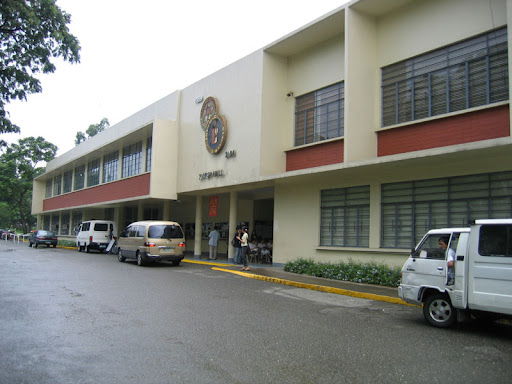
(214,125)
(214,206)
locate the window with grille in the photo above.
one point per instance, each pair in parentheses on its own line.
(345,217)
(410,209)
(132,157)
(79,177)
(93,173)
(110,164)
(57,185)
(149,150)
(68,181)
(319,115)
(468,74)
(49,186)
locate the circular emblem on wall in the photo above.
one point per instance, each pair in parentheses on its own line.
(216,133)
(209,108)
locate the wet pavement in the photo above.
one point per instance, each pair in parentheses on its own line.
(276,274)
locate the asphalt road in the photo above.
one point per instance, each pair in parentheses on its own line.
(70,317)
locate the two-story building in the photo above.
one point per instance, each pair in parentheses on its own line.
(348,138)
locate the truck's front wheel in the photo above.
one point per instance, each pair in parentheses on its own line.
(438,310)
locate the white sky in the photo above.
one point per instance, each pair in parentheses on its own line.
(135,53)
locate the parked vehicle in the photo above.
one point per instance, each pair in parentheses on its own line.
(43,237)
(95,235)
(152,241)
(480,283)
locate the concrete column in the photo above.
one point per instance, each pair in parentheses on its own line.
(199,227)
(143,157)
(233,214)
(166,214)
(118,221)
(140,211)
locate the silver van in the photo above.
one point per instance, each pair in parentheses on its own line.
(151,241)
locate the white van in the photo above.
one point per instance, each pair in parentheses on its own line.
(95,234)
(478,284)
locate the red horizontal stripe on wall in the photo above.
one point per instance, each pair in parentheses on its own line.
(117,190)
(315,155)
(474,126)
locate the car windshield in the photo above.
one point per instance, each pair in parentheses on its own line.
(165,232)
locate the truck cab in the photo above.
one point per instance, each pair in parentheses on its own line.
(477,282)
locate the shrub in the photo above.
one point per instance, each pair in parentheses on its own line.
(67,243)
(357,272)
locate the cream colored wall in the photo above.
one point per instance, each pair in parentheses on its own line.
(276,115)
(38,193)
(361,88)
(164,167)
(426,25)
(317,67)
(297,201)
(237,89)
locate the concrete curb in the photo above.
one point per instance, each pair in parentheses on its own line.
(315,287)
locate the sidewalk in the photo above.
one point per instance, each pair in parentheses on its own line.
(277,275)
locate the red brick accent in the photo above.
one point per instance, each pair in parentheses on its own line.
(122,189)
(474,126)
(315,155)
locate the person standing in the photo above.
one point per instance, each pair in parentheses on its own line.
(213,243)
(237,245)
(244,240)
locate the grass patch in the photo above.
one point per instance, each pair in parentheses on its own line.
(356,272)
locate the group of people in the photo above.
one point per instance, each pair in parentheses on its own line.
(245,247)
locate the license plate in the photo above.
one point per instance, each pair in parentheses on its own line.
(167,249)
(103,246)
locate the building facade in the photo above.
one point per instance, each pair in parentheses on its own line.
(348,138)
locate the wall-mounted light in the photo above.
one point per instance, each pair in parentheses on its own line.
(199,99)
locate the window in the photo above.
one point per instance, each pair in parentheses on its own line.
(57,185)
(149,150)
(68,181)
(110,163)
(93,173)
(468,74)
(64,229)
(319,115)
(75,223)
(165,232)
(79,177)
(49,185)
(345,217)
(412,208)
(495,240)
(132,157)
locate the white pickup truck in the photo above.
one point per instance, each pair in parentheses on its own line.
(480,283)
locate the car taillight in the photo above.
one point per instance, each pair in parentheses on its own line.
(181,244)
(90,239)
(147,244)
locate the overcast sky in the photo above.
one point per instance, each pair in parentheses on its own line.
(135,53)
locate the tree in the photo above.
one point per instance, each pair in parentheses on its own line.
(93,130)
(19,165)
(32,32)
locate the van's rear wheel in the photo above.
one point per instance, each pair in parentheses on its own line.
(438,310)
(140,262)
